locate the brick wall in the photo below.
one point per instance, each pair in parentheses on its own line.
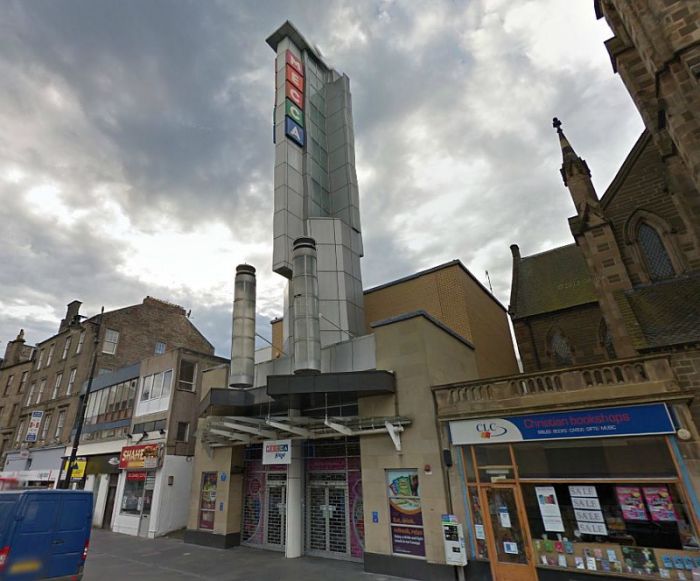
(686,366)
(645,189)
(454,298)
(580,325)
(656,50)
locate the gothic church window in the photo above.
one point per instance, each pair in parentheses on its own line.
(656,257)
(559,349)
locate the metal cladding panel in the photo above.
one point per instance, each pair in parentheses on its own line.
(307,333)
(243,341)
(360,382)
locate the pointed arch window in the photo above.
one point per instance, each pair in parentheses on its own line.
(559,348)
(656,258)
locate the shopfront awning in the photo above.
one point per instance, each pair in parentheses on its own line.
(223,431)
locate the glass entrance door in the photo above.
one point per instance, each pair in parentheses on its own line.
(276,513)
(508,541)
(327,520)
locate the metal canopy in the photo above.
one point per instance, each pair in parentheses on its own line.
(224,431)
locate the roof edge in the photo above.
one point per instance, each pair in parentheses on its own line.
(427,316)
(455,262)
(625,168)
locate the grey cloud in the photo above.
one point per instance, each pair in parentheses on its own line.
(169,105)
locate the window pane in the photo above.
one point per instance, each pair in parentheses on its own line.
(157,386)
(660,521)
(167,380)
(479,526)
(608,457)
(494,462)
(655,255)
(505,523)
(147,385)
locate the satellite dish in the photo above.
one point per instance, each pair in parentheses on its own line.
(114,461)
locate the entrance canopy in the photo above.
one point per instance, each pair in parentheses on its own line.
(222,431)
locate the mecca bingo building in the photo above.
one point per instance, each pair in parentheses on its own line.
(328,445)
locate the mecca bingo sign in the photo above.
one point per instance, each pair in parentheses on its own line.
(294,99)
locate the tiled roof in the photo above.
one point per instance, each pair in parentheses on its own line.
(664,313)
(551,281)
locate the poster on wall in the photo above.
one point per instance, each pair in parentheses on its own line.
(589,516)
(631,503)
(404,499)
(549,509)
(659,503)
(405,514)
(408,541)
(34,425)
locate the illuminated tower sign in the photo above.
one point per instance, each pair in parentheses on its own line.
(316,191)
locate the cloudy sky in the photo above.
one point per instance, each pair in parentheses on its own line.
(136,155)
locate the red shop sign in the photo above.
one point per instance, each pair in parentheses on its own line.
(140,457)
(136,475)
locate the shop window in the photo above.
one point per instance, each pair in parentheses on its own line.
(138,493)
(507,529)
(640,529)
(656,258)
(494,462)
(599,458)
(405,513)
(207,501)
(479,525)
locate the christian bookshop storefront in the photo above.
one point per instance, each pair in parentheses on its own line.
(578,495)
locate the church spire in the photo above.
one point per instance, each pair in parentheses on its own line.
(575,173)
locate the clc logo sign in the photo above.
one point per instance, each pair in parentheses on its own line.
(488,430)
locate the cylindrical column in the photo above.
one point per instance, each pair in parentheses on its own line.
(307,333)
(243,336)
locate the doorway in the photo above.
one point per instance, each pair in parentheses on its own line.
(327,519)
(109,505)
(507,536)
(276,512)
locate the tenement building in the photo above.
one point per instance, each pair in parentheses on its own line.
(325,444)
(587,465)
(47,397)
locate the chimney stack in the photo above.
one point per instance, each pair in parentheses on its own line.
(72,312)
(307,332)
(243,336)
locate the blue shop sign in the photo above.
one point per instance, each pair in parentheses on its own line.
(636,420)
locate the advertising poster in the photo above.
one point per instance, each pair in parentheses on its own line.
(404,500)
(549,509)
(34,425)
(631,503)
(659,503)
(357,518)
(408,541)
(405,515)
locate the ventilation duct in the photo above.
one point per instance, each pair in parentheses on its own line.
(307,333)
(243,335)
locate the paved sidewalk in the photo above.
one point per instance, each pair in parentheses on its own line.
(115,556)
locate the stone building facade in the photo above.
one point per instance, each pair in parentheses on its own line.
(61,367)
